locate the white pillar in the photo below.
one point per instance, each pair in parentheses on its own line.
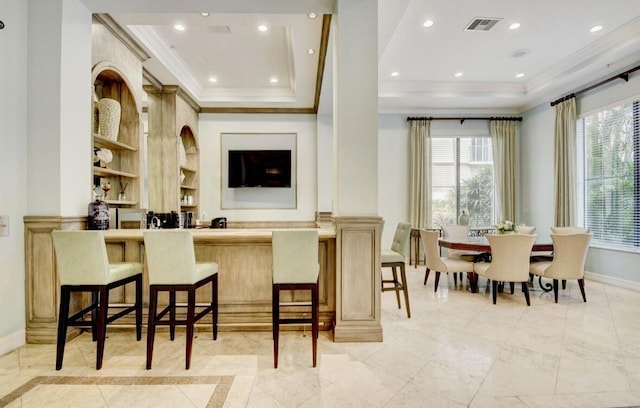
(355,118)
(58,108)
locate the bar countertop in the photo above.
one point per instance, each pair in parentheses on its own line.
(216,234)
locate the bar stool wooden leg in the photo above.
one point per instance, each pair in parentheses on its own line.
(139,308)
(214,306)
(94,316)
(275,313)
(151,326)
(405,288)
(395,285)
(314,322)
(65,298)
(103,307)
(191,312)
(172,314)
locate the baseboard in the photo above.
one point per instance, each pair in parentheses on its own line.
(12,341)
(610,280)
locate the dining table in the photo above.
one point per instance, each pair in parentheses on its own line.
(480,248)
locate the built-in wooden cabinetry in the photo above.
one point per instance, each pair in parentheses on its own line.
(123,172)
(173,152)
(189,165)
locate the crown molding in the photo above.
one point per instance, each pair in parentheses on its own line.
(115,29)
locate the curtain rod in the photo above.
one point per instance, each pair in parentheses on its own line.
(623,75)
(463,119)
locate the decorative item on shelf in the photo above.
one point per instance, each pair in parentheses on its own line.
(98,215)
(464,218)
(96,112)
(122,196)
(105,190)
(109,118)
(182,177)
(183,152)
(506,227)
(102,157)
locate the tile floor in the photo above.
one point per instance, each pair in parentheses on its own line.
(457,350)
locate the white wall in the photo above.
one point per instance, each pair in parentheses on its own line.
(13,158)
(537,175)
(213,125)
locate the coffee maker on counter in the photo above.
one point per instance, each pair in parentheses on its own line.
(163,220)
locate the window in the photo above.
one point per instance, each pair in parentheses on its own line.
(610,175)
(461,179)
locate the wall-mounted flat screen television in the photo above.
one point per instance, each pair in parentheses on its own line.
(259,168)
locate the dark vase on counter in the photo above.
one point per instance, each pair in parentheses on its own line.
(98,215)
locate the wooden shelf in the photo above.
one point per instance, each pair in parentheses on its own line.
(118,202)
(99,141)
(189,187)
(188,205)
(188,169)
(102,172)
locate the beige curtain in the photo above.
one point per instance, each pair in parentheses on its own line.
(505,168)
(420,133)
(565,163)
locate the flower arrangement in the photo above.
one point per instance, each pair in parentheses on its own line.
(506,227)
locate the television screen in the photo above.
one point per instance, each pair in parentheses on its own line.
(259,168)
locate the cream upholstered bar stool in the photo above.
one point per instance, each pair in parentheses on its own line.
(434,262)
(509,262)
(83,266)
(295,267)
(172,267)
(569,257)
(395,258)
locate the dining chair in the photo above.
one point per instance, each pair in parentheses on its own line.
(434,262)
(526,229)
(569,257)
(457,233)
(569,230)
(83,266)
(393,258)
(509,262)
(172,267)
(295,267)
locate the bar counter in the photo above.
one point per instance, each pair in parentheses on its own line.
(244,259)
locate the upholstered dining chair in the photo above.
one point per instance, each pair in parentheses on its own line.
(457,233)
(83,266)
(509,262)
(172,267)
(295,267)
(569,230)
(395,258)
(569,256)
(526,229)
(434,262)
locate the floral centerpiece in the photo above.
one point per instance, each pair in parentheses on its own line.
(506,227)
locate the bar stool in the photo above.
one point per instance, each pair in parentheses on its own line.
(172,267)
(83,266)
(295,267)
(395,258)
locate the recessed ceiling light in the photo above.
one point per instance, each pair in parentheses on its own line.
(262,27)
(395,73)
(458,74)
(310,51)
(213,79)
(204,14)
(514,26)
(596,28)
(428,23)
(312,15)
(179,27)
(273,80)
(519,75)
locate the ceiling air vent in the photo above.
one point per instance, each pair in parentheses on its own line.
(482,24)
(219,29)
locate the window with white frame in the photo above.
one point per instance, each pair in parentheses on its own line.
(461,179)
(609,176)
